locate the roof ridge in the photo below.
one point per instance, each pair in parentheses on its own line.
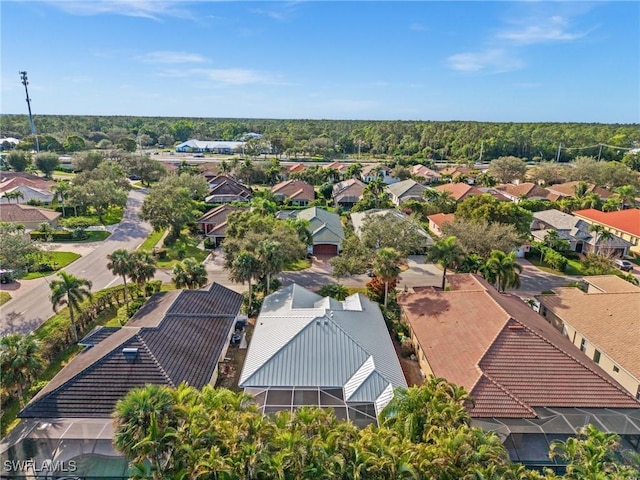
(507,391)
(577,360)
(153,356)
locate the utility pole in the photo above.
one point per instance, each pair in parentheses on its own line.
(481,149)
(599,152)
(25,82)
(558,155)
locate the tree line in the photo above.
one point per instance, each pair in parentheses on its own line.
(330,138)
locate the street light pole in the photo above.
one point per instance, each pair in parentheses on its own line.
(25,82)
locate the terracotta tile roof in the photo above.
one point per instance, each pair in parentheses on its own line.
(526,189)
(441,218)
(369,168)
(568,189)
(609,321)
(611,284)
(456,171)
(17,213)
(423,171)
(459,191)
(509,357)
(298,167)
(294,189)
(624,220)
(35,182)
(336,166)
(179,337)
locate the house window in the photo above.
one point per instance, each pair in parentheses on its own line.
(615,369)
(596,356)
(583,345)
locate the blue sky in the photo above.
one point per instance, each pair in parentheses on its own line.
(421,60)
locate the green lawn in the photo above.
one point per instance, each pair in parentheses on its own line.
(573,267)
(58,260)
(151,241)
(298,265)
(184,247)
(4,297)
(112,216)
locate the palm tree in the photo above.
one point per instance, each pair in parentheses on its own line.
(190,273)
(270,256)
(144,267)
(243,269)
(62,190)
(447,252)
(385,265)
(602,234)
(20,361)
(503,270)
(302,227)
(71,291)
(122,263)
(626,195)
(334,290)
(145,422)
(376,190)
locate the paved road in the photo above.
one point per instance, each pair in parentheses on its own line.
(30,305)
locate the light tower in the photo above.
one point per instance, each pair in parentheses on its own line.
(25,82)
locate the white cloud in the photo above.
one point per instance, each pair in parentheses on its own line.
(552,29)
(172,57)
(488,61)
(152,9)
(225,76)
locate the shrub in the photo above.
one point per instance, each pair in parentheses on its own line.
(134,306)
(152,286)
(53,236)
(36,387)
(555,260)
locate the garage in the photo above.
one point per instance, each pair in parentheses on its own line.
(325,249)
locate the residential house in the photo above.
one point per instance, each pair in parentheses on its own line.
(296,191)
(32,187)
(326,230)
(347,193)
(623,223)
(213,224)
(459,191)
(405,190)
(226,189)
(453,173)
(29,216)
(339,167)
(526,190)
(203,146)
(296,168)
(429,175)
(372,172)
(358,220)
(438,220)
(603,321)
(568,189)
(177,336)
(313,350)
(529,384)
(576,232)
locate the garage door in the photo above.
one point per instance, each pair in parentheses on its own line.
(325,249)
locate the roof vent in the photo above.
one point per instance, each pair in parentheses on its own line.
(130,353)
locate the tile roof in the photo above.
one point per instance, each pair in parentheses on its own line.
(16,213)
(611,284)
(226,185)
(179,337)
(624,220)
(348,190)
(294,189)
(459,191)
(440,219)
(527,189)
(568,189)
(508,357)
(218,218)
(372,166)
(609,321)
(322,223)
(336,166)
(423,171)
(406,188)
(10,180)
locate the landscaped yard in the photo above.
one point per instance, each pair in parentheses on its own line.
(184,247)
(112,216)
(4,297)
(298,265)
(92,236)
(151,241)
(57,260)
(574,267)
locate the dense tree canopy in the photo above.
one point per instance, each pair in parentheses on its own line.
(486,207)
(16,249)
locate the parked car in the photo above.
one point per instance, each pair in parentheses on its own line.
(624,265)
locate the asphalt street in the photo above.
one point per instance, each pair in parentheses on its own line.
(29,308)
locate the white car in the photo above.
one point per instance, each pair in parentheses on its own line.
(625,265)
